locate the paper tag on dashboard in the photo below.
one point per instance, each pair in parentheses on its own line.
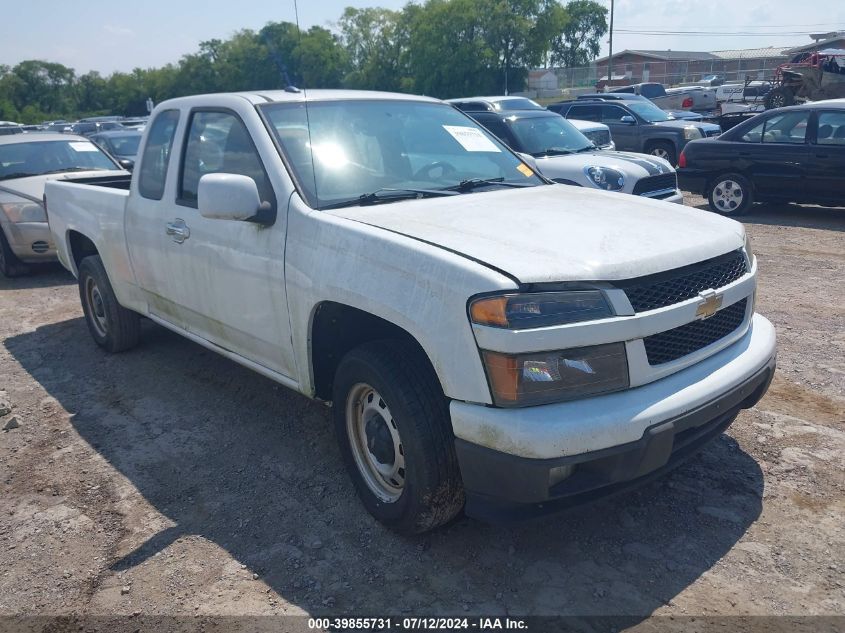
(83,146)
(471,139)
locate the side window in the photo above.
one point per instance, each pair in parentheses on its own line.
(218,142)
(584,113)
(156,157)
(831,128)
(787,127)
(612,114)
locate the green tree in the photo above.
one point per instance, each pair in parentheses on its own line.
(580,40)
(374,40)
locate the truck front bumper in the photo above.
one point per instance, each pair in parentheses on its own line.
(510,474)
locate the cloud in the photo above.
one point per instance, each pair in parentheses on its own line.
(122,31)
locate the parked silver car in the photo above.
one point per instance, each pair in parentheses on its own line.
(27,161)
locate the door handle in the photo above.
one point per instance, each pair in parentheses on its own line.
(178,230)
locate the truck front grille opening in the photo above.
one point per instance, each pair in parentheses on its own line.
(670,345)
(665,289)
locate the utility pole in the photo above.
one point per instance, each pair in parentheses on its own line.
(610,52)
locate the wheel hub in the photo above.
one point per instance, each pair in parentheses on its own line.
(375,442)
(379,442)
(96,306)
(728,195)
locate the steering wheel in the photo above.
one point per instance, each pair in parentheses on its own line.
(424,173)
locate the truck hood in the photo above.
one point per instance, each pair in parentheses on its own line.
(33,187)
(560,233)
(632,165)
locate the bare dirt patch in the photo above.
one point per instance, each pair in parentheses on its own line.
(170,481)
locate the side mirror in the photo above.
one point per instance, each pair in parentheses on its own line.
(127,163)
(529,160)
(628,120)
(228,197)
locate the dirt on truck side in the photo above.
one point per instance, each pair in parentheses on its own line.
(171,481)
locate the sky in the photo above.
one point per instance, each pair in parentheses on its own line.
(110,36)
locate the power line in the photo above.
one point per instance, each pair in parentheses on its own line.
(715,33)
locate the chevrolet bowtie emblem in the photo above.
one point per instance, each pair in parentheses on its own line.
(710,304)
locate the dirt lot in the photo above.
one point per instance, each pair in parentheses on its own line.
(168,480)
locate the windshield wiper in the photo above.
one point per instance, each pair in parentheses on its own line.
(475,183)
(553,151)
(18,174)
(71,169)
(588,148)
(381,196)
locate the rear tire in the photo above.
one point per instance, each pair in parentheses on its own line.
(730,194)
(113,327)
(665,150)
(394,431)
(10,265)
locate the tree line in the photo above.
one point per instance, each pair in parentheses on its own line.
(441,48)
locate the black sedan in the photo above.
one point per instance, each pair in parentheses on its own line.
(794,154)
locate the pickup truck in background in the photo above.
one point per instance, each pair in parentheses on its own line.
(487,339)
(693,98)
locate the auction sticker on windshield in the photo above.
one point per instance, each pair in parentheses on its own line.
(83,147)
(471,139)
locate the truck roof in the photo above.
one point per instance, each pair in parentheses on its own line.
(258,97)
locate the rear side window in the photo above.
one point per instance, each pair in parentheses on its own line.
(153,172)
(218,142)
(585,113)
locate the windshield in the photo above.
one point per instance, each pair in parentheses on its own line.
(357,147)
(124,145)
(649,111)
(539,136)
(518,103)
(20,160)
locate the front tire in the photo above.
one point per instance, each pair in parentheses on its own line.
(664,150)
(113,327)
(394,431)
(10,265)
(730,194)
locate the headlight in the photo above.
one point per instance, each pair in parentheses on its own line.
(605,178)
(24,212)
(691,133)
(542,309)
(541,378)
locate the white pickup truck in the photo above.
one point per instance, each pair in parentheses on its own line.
(488,340)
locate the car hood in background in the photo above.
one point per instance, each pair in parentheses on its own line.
(33,187)
(632,165)
(680,123)
(560,233)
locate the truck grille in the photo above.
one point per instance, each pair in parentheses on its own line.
(665,289)
(652,184)
(600,138)
(686,339)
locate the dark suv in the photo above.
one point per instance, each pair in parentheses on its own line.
(639,126)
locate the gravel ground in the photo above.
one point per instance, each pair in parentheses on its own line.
(170,481)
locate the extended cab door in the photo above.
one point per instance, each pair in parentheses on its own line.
(826,169)
(221,280)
